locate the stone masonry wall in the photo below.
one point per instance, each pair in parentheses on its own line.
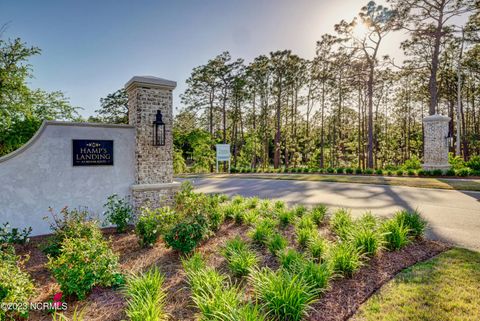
(154,163)
(435,142)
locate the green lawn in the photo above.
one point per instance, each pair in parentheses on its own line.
(446,287)
(422,182)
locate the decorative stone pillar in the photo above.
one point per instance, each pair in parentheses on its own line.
(154,186)
(435,142)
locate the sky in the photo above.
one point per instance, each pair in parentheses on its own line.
(92,48)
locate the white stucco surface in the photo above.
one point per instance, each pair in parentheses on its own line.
(41,175)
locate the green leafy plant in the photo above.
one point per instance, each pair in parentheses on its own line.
(344,259)
(14,235)
(77,316)
(284,296)
(119,212)
(16,286)
(413,221)
(368,241)
(300,210)
(318,213)
(152,223)
(250,217)
(277,243)
(474,163)
(69,223)
(316,275)
(239,257)
(341,223)
(185,236)
(306,222)
(395,234)
(146,298)
(84,263)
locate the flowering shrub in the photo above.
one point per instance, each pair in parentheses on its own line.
(185,236)
(14,235)
(118,212)
(153,223)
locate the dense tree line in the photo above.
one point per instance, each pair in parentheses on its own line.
(349,105)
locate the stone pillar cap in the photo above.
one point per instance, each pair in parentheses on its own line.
(436,117)
(150,82)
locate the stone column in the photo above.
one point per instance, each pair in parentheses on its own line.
(435,142)
(154,186)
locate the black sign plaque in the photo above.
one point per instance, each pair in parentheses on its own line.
(88,152)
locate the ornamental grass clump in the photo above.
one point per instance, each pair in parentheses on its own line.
(367,241)
(262,231)
(341,223)
(317,248)
(318,213)
(277,242)
(395,234)
(291,260)
(344,259)
(146,298)
(285,217)
(304,235)
(316,275)
(300,210)
(283,295)
(241,259)
(306,222)
(413,221)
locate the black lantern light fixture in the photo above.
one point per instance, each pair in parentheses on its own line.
(158,130)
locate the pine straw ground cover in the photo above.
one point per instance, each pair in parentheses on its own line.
(338,301)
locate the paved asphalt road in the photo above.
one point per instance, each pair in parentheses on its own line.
(453,216)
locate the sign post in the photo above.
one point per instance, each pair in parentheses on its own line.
(223,154)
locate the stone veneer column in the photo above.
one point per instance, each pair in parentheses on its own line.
(435,155)
(154,186)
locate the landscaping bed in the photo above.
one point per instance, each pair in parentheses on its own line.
(250,253)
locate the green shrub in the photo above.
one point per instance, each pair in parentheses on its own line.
(248,312)
(76,316)
(379,171)
(74,223)
(317,247)
(422,172)
(368,171)
(262,231)
(185,236)
(341,223)
(349,170)
(450,172)
(330,170)
(318,213)
(410,172)
(413,221)
(153,223)
(412,164)
(340,170)
(119,212)
(367,220)
(395,234)
(358,171)
(215,219)
(252,202)
(14,235)
(285,217)
(279,205)
(437,172)
(463,172)
(16,285)
(474,163)
(284,296)
(291,260)
(277,243)
(146,298)
(84,263)
(389,173)
(304,235)
(399,172)
(239,257)
(344,259)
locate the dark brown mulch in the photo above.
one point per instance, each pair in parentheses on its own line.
(103,304)
(346,295)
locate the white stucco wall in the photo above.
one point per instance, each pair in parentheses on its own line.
(41,175)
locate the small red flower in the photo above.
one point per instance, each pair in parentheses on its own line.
(57,296)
